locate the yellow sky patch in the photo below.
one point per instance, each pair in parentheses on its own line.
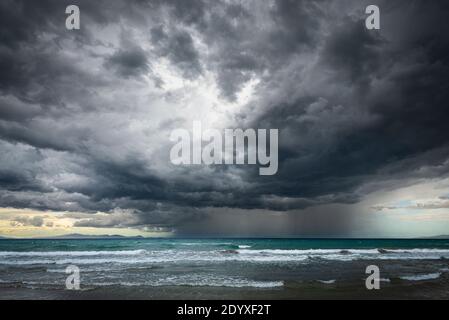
(18,223)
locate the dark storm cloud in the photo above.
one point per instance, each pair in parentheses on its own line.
(357,110)
(381,112)
(314,222)
(243,44)
(299,23)
(178,47)
(129,62)
(352,52)
(16,110)
(26,221)
(162,218)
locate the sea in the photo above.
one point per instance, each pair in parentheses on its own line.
(246,264)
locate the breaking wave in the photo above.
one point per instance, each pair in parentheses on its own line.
(422,277)
(214,256)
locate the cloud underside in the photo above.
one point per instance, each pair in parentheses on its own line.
(85,116)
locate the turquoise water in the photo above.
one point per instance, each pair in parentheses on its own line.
(210,244)
(238,263)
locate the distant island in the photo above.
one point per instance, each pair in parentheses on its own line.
(83,236)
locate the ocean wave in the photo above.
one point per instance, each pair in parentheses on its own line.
(327,281)
(144,257)
(421,277)
(185,281)
(309,251)
(349,254)
(70,253)
(196,281)
(204,244)
(346,251)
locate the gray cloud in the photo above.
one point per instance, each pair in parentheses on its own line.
(36,221)
(179,48)
(81,128)
(129,62)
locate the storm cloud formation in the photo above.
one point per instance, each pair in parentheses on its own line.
(85,115)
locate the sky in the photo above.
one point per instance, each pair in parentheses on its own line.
(86,117)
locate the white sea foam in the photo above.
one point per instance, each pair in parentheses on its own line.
(204,243)
(327,281)
(348,254)
(70,253)
(198,281)
(145,257)
(421,277)
(310,251)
